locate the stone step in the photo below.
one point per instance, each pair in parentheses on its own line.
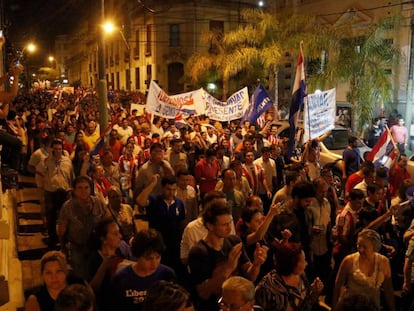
(29,215)
(32,254)
(27,241)
(25,184)
(33,201)
(30,228)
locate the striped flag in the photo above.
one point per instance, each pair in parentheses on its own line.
(261,121)
(298,97)
(383,151)
(179,121)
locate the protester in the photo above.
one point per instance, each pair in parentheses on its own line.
(131,283)
(56,275)
(167,296)
(219,255)
(76,223)
(286,287)
(366,271)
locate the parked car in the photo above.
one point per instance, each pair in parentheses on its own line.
(332,148)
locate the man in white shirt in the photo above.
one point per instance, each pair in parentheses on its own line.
(124,131)
(268,166)
(211,136)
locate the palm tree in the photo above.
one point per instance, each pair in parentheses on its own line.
(363,59)
(357,56)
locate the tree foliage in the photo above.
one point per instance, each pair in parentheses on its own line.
(339,53)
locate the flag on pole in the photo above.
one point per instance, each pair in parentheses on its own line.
(99,145)
(298,98)
(383,151)
(260,102)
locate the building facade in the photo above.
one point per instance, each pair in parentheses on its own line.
(154,41)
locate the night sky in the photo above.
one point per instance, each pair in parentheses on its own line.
(41,20)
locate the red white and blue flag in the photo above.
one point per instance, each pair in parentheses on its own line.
(383,151)
(179,121)
(298,98)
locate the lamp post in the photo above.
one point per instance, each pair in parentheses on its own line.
(102,87)
(110,28)
(30,48)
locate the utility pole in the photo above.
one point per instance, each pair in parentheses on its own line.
(102,87)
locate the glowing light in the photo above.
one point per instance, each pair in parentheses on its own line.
(211,86)
(108,27)
(31,47)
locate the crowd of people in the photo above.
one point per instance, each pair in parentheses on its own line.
(233,224)
(227,212)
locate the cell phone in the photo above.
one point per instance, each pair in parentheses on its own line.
(1,33)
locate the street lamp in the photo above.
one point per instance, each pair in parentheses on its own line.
(110,28)
(30,48)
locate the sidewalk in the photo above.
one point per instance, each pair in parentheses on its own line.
(10,266)
(25,243)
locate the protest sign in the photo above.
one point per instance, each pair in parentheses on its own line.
(231,109)
(161,104)
(319,114)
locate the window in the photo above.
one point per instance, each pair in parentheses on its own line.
(217,26)
(137,79)
(128,79)
(175,73)
(136,48)
(117,80)
(149,75)
(174,35)
(149,41)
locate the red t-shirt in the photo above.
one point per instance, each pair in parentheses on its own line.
(207,174)
(396,179)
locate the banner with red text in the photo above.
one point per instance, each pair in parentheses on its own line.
(168,106)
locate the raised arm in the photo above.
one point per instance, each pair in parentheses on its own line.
(261,231)
(142,198)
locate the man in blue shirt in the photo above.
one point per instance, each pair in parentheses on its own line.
(166,214)
(351,158)
(132,282)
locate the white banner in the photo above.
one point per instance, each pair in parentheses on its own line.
(232,109)
(319,114)
(161,104)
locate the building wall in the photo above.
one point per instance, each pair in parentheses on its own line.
(193,18)
(150,59)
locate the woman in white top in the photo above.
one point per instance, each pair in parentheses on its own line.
(365,271)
